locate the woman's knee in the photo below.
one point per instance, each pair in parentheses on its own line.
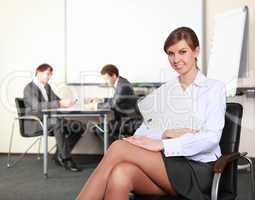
(116,145)
(116,148)
(121,177)
(120,151)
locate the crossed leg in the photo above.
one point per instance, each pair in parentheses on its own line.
(126,177)
(127,167)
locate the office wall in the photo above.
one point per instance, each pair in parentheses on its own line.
(32,32)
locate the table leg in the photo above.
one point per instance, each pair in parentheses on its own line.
(105,132)
(45,145)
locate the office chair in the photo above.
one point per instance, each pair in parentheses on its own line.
(129,126)
(120,129)
(20,106)
(132,122)
(224,186)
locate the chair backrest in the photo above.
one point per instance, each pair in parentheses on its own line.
(20,106)
(229,143)
(25,132)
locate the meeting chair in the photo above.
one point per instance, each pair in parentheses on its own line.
(129,126)
(20,106)
(132,122)
(118,130)
(224,185)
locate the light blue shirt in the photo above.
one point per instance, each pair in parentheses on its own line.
(205,101)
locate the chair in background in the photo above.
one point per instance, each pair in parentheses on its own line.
(117,130)
(120,129)
(132,122)
(20,106)
(129,126)
(224,186)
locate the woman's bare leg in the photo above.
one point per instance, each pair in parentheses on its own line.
(121,151)
(127,177)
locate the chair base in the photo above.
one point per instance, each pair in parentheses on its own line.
(11,163)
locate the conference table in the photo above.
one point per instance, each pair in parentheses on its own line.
(80,112)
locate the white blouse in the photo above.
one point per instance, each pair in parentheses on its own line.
(201,106)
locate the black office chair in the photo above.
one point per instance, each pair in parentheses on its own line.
(19,102)
(132,122)
(224,185)
(129,126)
(117,130)
(120,129)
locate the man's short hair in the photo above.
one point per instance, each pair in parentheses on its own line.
(43,67)
(110,70)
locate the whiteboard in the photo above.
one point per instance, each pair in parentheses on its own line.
(228,49)
(127,33)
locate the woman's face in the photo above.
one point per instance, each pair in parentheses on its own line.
(181,57)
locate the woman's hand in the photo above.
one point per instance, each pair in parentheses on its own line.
(145,142)
(174,133)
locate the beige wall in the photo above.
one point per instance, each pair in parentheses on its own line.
(35,28)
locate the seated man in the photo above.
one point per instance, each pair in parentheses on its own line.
(38,95)
(124,102)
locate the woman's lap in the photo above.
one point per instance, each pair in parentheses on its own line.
(151,163)
(191,179)
(169,173)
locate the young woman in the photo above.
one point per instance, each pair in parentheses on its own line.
(175,161)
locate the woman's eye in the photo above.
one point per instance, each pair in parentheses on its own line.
(182,52)
(170,54)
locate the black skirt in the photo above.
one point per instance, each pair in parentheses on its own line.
(191,179)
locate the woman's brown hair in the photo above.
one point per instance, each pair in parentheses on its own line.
(182,33)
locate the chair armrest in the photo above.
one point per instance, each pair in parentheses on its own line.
(31,117)
(223,161)
(218,169)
